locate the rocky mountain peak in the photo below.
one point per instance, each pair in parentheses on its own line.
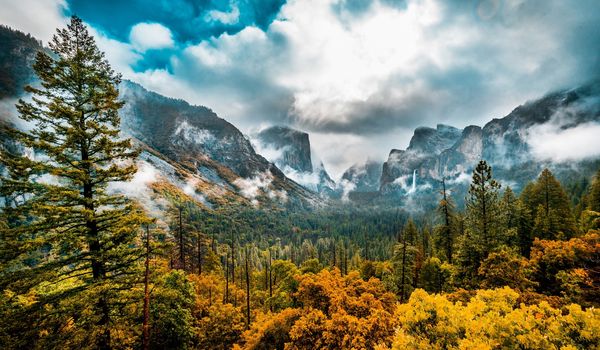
(430,140)
(290,150)
(292,147)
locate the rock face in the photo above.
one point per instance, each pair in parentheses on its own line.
(421,155)
(178,130)
(211,146)
(293,146)
(506,143)
(290,150)
(467,150)
(365,177)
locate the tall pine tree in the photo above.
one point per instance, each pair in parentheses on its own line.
(404,258)
(68,241)
(445,232)
(594,197)
(550,203)
(483,222)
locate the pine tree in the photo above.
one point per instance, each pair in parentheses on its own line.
(483,209)
(65,229)
(526,219)
(445,232)
(594,197)
(404,260)
(483,222)
(550,203)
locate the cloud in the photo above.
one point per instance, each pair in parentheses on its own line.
(552,142)
(461,178)
(346,186)
(251,188)
(148,36)
(369,71)
(193,134)
(231,17)
(40,18)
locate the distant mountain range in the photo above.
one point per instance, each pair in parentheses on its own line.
(190,150)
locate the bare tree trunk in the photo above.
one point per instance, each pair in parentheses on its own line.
(200,253)
(181,253)
(247,290)
(146,326)
(227,278)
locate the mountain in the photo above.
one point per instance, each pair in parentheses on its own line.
(365,176)
(290,150)
(421,156)
(187,150)
(16,59)
(514,145)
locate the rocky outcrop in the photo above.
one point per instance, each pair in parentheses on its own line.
(290,150)
(421,155)
(292,145)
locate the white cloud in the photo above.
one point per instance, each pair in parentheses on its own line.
(138,186)
(231,17)
(194,134)
(120,55)
(40,18)
(272,154)
(252,187)
(346,187)
(388,69)
(551,142)
(147,36)
(460,179)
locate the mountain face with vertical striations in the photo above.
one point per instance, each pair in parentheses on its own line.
(290,150)
(421,155)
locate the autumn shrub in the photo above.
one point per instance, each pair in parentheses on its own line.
(271,331)
(342,312)
(570,269)
(493,319)
(221,328)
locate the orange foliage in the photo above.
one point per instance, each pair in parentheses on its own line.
(342,312)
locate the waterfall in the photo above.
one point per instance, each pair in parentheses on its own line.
(413,188)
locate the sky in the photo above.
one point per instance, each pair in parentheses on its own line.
(357,75)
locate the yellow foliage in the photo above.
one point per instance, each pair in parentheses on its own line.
(493,320)
(342,312)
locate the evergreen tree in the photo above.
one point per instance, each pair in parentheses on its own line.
(68,242)
(484,219)
(526,219)
(510,209)
(483,222)
(445,232)
(403,260)
(550,203)
(594,196)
